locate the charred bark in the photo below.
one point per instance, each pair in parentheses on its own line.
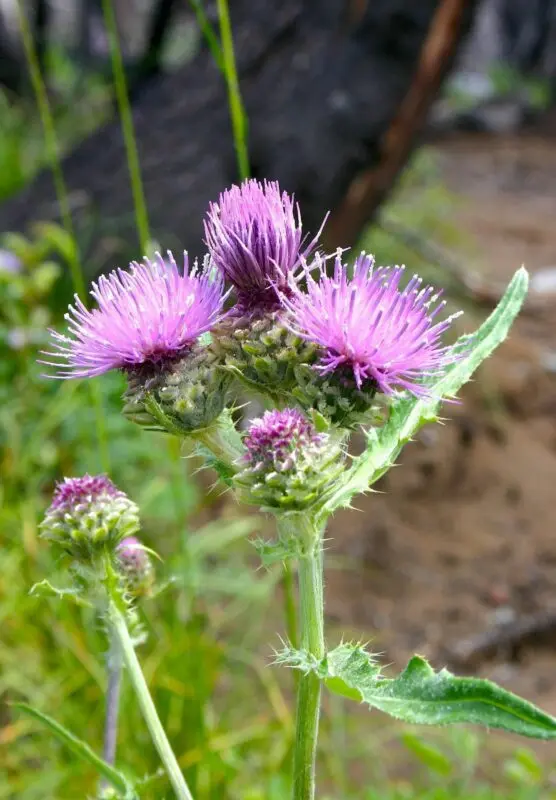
(335,92)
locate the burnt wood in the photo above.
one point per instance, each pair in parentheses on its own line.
(336,92)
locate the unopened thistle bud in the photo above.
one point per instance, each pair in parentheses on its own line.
(188,395)
(89,515)
(263,353)
(135,566)
(288,465)
(147,324)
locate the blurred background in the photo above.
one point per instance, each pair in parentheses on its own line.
(428,131)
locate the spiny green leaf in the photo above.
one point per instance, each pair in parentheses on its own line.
(274,551)
(83,751)
(422,696)
(409,414)
(46,589)
(224,471)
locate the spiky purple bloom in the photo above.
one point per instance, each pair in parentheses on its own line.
(89,513)
(370,327)
(73,493)
(279,438)
(288,465)
(254,236)
(150,314)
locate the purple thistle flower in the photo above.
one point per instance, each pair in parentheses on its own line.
(129,548)
(86,490)
(147,315)
(135,564)
(254,236)
(288,464)
(89,513)
(276,440)
(369,326)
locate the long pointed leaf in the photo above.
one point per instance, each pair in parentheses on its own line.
(422,696)
(82,750)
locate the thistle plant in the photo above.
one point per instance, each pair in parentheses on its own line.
(93,523)
(332,348)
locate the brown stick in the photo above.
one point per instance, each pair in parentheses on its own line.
(472,651)
(369,190)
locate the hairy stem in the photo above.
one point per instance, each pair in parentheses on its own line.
(311,603)
(112,704)
(223,440)
(160,740)
(114,670)
(290,610)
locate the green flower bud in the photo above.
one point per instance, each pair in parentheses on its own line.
(88,515)
(288,465)
(262,352)
(272,360)
(334,395)
(182,397)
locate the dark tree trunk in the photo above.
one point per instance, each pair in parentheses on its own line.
(335,92)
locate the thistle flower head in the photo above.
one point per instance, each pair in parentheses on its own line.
(279,439)
(288,464)
(149,315)
(368,328)
(73,494)
(135,565)
(254,237)
(89,513)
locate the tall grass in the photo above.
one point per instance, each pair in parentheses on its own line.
(237,111)
(124,108)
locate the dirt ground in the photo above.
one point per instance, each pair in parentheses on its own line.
(456,558)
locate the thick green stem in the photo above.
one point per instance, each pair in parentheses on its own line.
(223,440)
(290,610)
(311,601)
(114,672)
(121,633)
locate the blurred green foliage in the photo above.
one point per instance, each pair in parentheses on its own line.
(80,103)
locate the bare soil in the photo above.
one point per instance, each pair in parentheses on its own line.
(461,540)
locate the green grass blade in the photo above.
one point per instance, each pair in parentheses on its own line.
(209,34)
(81,750)
(237,110)
(51,143)
(124,107)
